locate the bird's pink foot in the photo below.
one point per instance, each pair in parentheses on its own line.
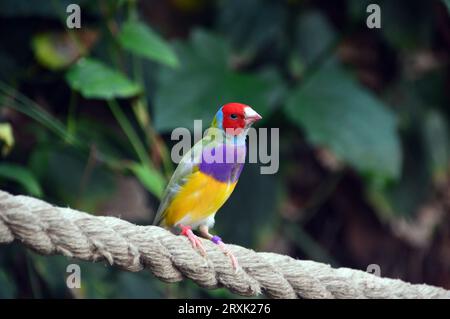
(218,241)
(195,241)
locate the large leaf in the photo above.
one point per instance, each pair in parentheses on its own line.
(150,178)
(204,82)
(337,113)
(94,79)
(142,40)
(22,176)
(314,36)
(57,50)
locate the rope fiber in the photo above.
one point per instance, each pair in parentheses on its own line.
(51,230)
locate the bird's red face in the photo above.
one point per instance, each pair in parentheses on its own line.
(236,117)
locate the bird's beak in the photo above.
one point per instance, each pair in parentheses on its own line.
(251,116)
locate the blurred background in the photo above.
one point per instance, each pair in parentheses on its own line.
(86,116)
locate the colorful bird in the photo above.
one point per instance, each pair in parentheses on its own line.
(206,176)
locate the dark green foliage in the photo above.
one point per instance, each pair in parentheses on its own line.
(88,77)
(363,117)
(206,77)
(356,126)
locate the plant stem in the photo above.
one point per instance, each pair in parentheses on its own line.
(129,132)
(143,117)
(71,122)
(19,102)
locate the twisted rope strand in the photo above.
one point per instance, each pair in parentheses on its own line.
(49,230)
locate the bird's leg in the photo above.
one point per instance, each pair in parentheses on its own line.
(203,229)
(195,241)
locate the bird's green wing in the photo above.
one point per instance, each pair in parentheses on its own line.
(187,166)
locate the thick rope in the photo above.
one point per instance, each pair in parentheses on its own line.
(54,230)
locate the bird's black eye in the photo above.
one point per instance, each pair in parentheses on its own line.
(233,116)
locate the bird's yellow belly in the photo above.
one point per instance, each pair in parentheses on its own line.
(199,198)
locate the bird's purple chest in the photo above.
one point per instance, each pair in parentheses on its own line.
(223,162)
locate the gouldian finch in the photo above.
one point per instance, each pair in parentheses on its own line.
(206,176)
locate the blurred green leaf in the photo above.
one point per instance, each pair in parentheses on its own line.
(49,51)
(314,36)
(56,50)
(7,137)
(204,82)
(404,197)
(337,113)
(150,178)
(93,79)
(21,175)
(140,39)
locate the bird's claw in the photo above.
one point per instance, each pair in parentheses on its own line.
(228,253)
(195,241)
